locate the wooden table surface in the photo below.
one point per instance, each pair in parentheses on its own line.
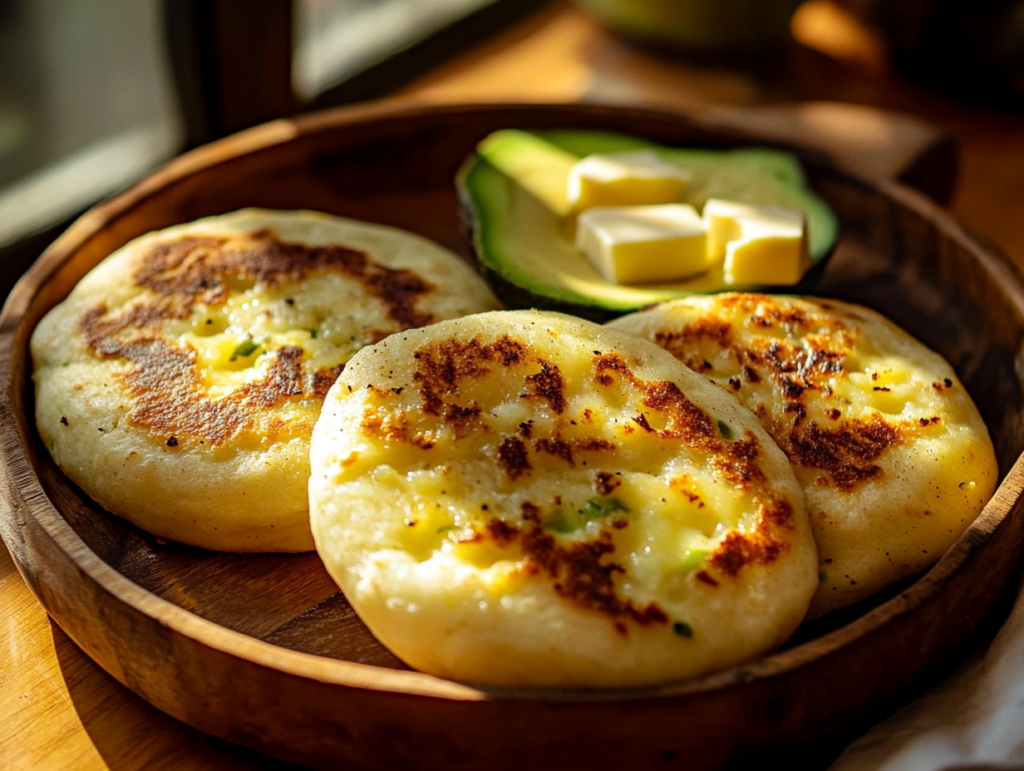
(61,711)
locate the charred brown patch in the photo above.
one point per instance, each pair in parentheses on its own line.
(169,397)
(501,532)
(593,445)
(581,571)
(441,365)
(686,421)
(798,409)
(180,274)
(739,550)
(705,578)
(557,447)
(388,428)
(605,483)
(779,513)
(583,577)
(548,384)
(792,389)
(513,457)
(199,269)
(847,453)
(530,511)
(739,463)
(462,418)
(706,329)
(323,379)
(606,366)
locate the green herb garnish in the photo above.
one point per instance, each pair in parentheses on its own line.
(313,333)
(560,522)
(724,430)
(694,558)
(244,349)
(682,629)
(596,508)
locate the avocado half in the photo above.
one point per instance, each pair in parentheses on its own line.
(515,211)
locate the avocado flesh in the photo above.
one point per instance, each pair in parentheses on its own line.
(513,194)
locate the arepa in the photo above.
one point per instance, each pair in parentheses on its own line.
(179,382)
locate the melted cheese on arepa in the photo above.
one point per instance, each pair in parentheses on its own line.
(528,498)
(179,382)
(894,457)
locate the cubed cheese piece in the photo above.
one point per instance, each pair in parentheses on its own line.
(634,178)
(759,244)
(643,244)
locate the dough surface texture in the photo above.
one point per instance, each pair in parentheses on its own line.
(526,498)
(179,382)
(893,456)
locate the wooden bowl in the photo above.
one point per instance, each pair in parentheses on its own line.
(264,651)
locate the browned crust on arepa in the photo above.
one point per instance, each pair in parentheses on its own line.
(582,570)
(182,274)
(844,450)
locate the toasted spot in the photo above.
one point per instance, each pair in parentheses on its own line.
(194,269)
(548,385)
(584,577)
(739,550)
(513,458)
(443,364)
(847,454)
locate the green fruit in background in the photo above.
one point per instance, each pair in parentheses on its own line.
(700,26)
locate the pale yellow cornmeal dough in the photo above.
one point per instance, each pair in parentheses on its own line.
(526,498)
(179,382)
(894,457)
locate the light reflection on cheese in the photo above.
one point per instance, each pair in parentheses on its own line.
(643,244)
(759,244)
(634,178)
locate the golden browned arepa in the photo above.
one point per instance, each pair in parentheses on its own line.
(526,498)
(179,382)
(893,455)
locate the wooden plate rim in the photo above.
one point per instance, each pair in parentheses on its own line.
(24,495)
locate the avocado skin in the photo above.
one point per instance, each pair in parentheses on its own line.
(519,290)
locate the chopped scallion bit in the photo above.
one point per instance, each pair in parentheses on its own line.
(724,430)
(559,522)
(694,558)
(602,507)
(682,629)
(244,349)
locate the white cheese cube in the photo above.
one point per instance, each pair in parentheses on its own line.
(634,178)
(643,244)
(759,244)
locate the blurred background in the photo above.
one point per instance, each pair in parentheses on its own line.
(94,95)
